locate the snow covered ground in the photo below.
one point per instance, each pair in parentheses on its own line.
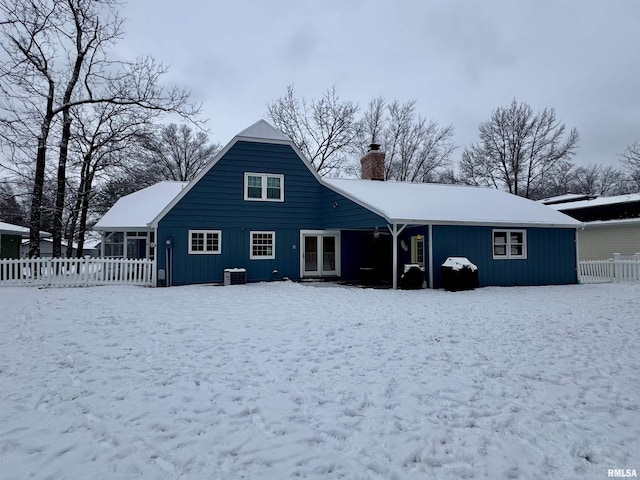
(283,380)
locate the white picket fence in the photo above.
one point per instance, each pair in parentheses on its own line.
(620,268)
(76,272)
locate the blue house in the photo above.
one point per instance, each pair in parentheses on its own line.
(260,206)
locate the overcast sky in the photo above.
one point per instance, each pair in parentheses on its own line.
(459,60)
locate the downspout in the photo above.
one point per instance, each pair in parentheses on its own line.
(430,233)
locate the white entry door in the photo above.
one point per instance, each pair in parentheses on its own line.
(319,253)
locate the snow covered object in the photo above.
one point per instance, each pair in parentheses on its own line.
(458,273)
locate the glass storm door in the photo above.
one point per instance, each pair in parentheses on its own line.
(320,253)
(311,255)
(328,255)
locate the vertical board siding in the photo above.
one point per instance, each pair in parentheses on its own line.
(217,202)
(551,256)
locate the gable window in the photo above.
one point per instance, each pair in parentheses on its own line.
(263,245)
(264,187)
(509,244)
(204,242)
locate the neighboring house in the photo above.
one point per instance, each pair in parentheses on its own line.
(46,248)
(10,238)
(610,224)
(259,205)
(92,245)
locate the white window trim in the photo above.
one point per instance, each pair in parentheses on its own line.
(322,234)
(414,249)
(508,255)
(264,177)
(273,245)
(205,251)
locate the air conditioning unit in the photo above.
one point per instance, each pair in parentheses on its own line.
(235,276)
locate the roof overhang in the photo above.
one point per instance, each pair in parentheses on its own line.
(611,223)
(111,228)
(487,223)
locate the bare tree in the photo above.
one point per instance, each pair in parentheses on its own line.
(56,58)
(517,148)
(557,180)
(11,209)
(598,180)
(324,129)
(177,152)
(330,134)
(631,163)
(416,150)
(173,152)
(104,135)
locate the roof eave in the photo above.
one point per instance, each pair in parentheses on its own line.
(128,228)
(485,223)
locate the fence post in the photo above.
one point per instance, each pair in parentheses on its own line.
(636,266)
(617,267)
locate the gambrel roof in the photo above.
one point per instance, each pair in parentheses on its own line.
(264,131)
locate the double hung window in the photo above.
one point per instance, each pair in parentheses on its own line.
(205,242)
(509,244)
(264,187)
(263,245)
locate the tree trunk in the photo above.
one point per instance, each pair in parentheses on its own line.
(82,205)
(38,178)
(84,212)
(36,197)
(73,220)
(62,184)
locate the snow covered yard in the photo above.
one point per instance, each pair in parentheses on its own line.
(282,380)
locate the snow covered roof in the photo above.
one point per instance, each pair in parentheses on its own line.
(10,229)
(569,197)
(92,241)
(613,223)
(138,209)
(398,202)
(261,130)
(403,202)
(596,202)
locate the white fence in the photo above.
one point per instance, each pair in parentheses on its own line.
(76,272)
(620,268)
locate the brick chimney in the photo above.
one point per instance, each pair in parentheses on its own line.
(372,163)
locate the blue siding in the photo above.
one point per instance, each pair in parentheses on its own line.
(217,202)
(551,256)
